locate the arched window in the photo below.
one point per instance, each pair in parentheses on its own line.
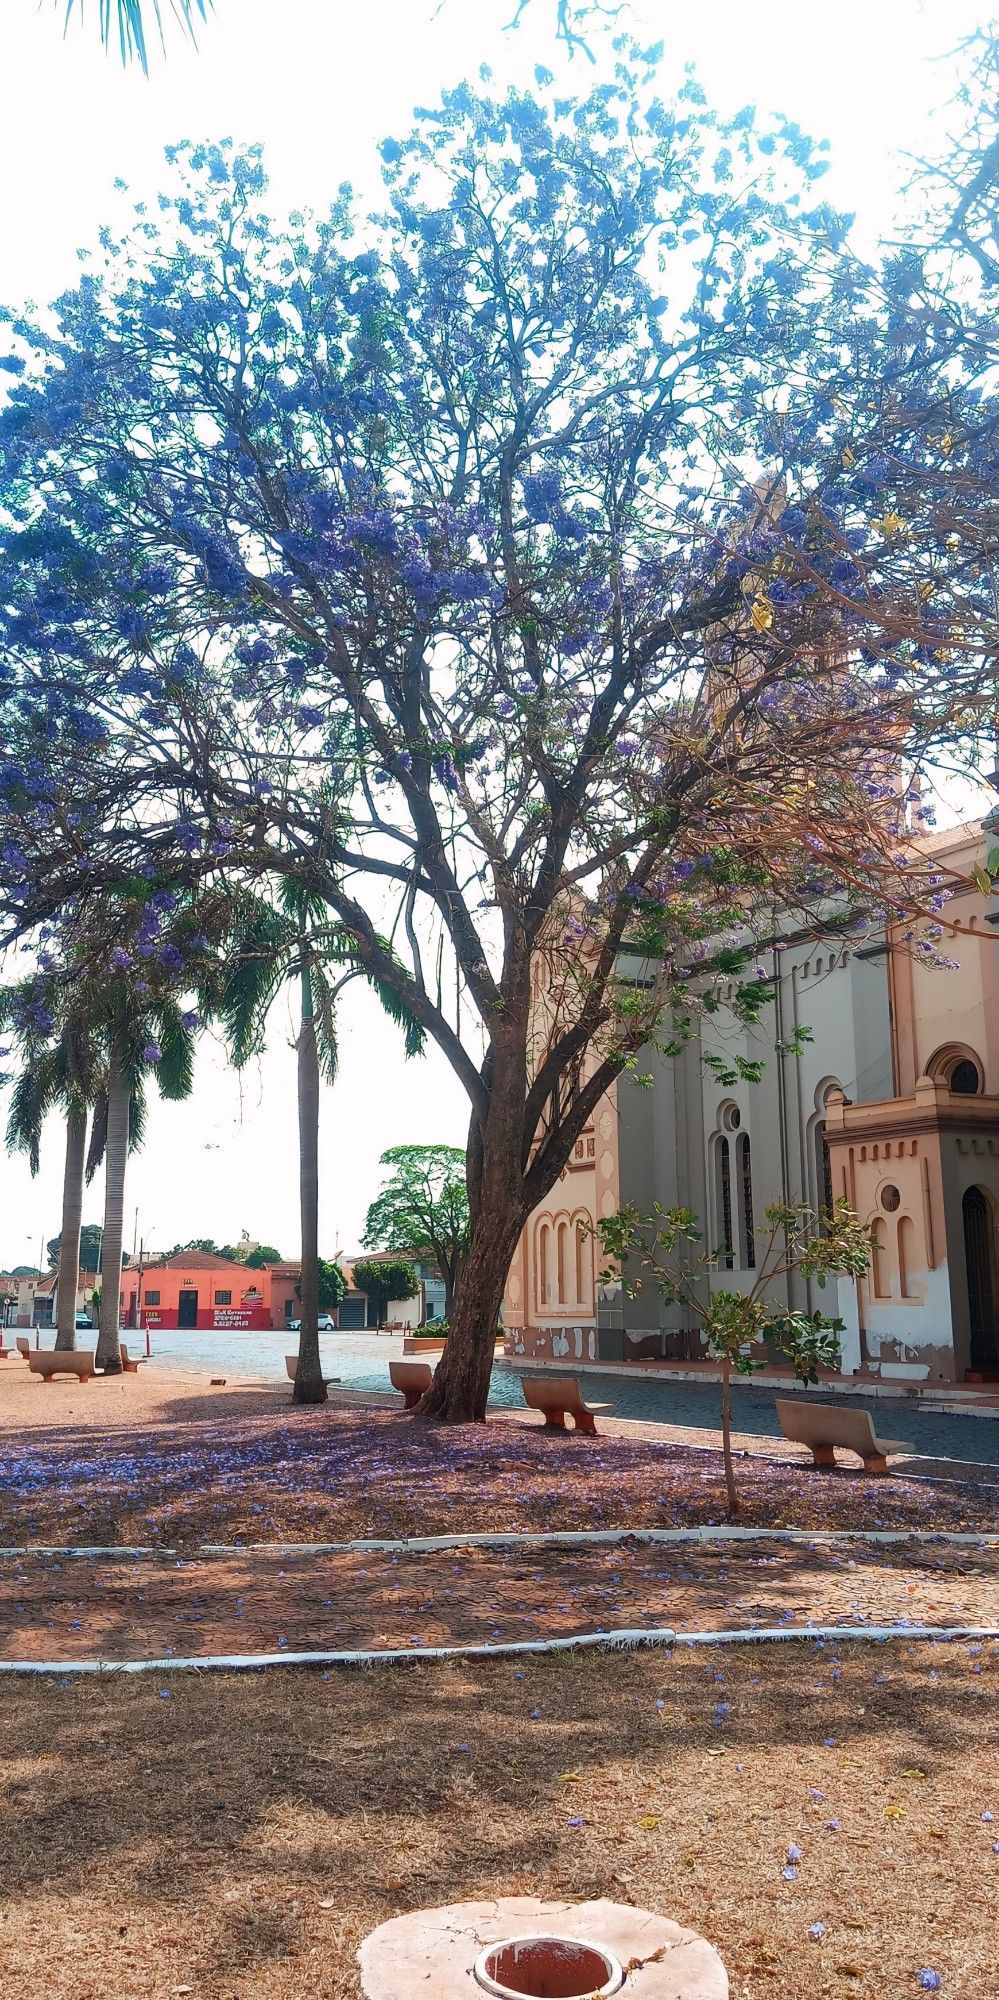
(964,1078)
(879,1260)
(584,1266)
(727,1240)
(823,1193)
(906,1256)
(544,1264)
(746,1201)
(562,1237)
(959,1068)
(979,1251)
(722,1173)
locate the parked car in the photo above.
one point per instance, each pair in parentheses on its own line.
(84,1323)
(327,1324)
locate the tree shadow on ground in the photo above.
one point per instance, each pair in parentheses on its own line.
(249,1823)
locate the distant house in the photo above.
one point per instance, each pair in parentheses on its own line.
(356,1311)
(195,1289)
(36,1297)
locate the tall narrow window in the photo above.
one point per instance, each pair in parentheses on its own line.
(725,1204)
(746,1198)
(582,1262)
(906,1256)
(543,1263)
(825,1164)
(560,1239)
(879,1273)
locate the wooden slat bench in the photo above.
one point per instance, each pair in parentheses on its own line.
(46,1362)
(412,1379)
(291,1363)
(558,1396)
(823,1428)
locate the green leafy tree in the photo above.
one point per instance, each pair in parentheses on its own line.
(386,1279)
(272,945)
(332,1288)
(423,1208)
(265,1253)
(660,1247)
(90,1248)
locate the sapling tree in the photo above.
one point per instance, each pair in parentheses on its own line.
(661,1249)
(517,571)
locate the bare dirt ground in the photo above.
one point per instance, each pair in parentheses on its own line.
(234,1837)
(107,1608)
(164,1459)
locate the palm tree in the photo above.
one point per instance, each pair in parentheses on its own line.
(145,1035)
(60,1066)
(272,943)
(126,20)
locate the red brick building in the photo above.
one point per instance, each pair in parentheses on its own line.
(195,1289)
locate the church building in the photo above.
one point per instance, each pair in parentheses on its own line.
(893,1104)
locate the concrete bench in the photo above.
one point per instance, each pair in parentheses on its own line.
(412,1379)
(23,1346)
(46,1362)
(558,1397)
(129,1364)
(823,1427)
(291,1363)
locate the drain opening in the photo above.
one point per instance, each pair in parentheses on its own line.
(548,1968)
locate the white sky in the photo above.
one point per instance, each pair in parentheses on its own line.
(320,82)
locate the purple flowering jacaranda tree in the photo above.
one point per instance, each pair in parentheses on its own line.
(519,571)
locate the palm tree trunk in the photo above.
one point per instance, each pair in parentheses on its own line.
(309,1384)
(72,1216)
(108,1354)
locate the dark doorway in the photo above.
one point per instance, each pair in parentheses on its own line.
(187,1309)
(981,1294)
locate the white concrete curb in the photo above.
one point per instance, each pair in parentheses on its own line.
(628,1639)
(526,1538)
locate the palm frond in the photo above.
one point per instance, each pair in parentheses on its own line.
(128,18)
(324,1016)
(259,961)
(30,1099)
(98,1135)
(175,1069)
(137,1113)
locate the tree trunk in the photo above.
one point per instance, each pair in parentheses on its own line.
(460,1388)
(72,1216)
(108,1354)
(309,1385)
(733,1498)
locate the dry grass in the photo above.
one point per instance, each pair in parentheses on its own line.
(154,1607)
(189,1469)
(238,1839)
